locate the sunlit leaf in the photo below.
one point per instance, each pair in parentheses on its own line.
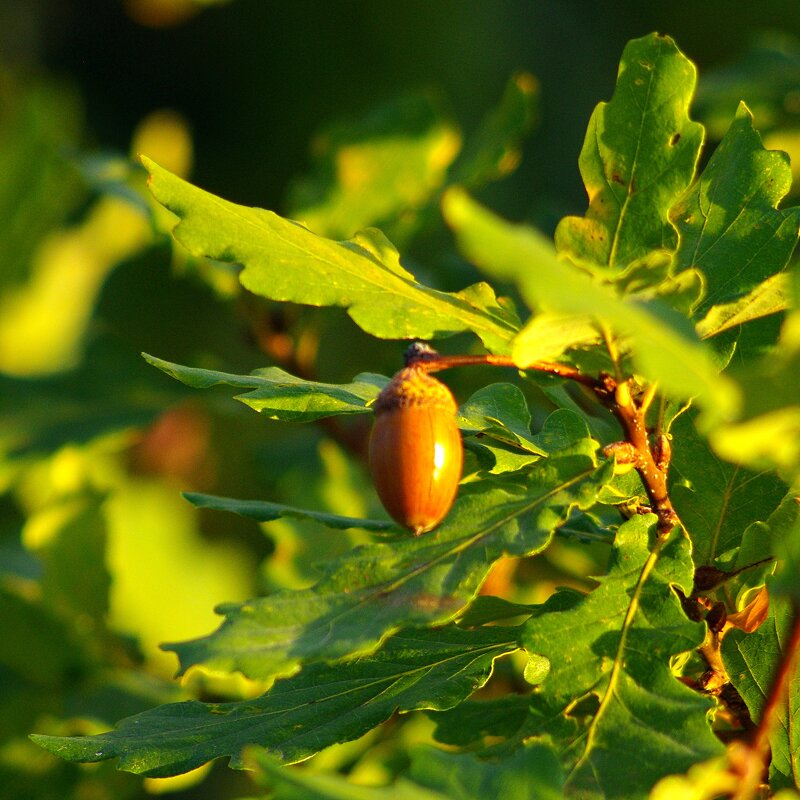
(769,297)
(638,157)
(280,395)
(729,223)
(285,261)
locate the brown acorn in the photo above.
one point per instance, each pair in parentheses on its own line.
(415,450)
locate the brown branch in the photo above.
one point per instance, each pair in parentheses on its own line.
(750,762)
(437,362)
(631,416)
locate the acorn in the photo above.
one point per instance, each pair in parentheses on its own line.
(415,450)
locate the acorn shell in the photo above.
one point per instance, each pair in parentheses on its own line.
(415,450)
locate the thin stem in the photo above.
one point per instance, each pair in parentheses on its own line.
(438,362)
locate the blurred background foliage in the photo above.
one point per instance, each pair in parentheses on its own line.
(344,115)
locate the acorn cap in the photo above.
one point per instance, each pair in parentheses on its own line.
(412,386)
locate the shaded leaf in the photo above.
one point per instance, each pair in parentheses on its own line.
(473,720)
(638,157)
(298,784)
(110,391)
(39,123)
(730,227)
(500,411)
(530,771)
(369,593)
(610,691)
(285,261)
(301,715)
(763,75)
(717,500)
(494,150)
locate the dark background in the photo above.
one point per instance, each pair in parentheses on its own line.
(255,79)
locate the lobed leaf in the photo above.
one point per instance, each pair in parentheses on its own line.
(285,261)
(730,226)
(320,706)
(281,395)
(369,593)
(472,721)
(638,157)
(610,691)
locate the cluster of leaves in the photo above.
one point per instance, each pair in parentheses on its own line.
(675,279)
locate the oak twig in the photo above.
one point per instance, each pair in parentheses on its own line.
(750,760)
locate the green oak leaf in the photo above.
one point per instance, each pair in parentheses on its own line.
(716,500)
(730,226)
(301,715)
(638,158)
(751,660)
(263,511)
(547,336)
(500,412)
(292,783)
(769,297)
(283,260)
(663,343)
(370,592)
(610,692)
(473,721)
(280,395)
(532,770)
(767,434)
